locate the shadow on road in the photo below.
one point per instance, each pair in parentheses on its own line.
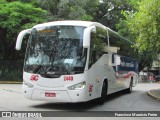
(78,106)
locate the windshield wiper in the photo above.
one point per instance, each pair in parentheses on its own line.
(37,68)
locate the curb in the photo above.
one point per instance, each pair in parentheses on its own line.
(10,82)
(153,96)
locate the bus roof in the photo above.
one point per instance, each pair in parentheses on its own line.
(78,23)
(71,22)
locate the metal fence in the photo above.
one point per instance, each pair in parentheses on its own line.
(11,70)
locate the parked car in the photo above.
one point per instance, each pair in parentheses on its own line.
(157,78)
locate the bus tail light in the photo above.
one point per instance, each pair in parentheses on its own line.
(78,86)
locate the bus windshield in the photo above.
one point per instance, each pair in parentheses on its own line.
(55,50)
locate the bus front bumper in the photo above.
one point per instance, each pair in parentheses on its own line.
(57,96)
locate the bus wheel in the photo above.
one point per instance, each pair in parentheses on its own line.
(129,90)
(101,100)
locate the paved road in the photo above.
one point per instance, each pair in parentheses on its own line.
(11,98)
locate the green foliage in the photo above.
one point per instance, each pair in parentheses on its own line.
(66,9)
(138,20)
(51,6)
(11,70)
(72,9)
(109,12)
(142,26)
(16,14)
(14,17)
(145,25)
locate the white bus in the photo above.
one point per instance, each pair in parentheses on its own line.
(75,61)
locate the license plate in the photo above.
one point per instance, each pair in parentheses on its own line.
(48,94)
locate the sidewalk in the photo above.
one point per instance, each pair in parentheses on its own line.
(154,93)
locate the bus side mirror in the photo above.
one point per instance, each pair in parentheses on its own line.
(20,38)
(87,36)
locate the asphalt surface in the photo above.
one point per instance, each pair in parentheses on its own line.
(155,93)
(12,99)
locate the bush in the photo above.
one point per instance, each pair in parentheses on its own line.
(11,70)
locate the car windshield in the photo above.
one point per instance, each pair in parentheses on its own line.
(56,49)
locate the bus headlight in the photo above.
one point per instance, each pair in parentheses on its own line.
(78,86)
(28,84)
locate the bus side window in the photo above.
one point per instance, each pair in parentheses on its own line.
(92,51)
(97,46)
(120,45)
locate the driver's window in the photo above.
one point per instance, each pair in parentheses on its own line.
(98,41)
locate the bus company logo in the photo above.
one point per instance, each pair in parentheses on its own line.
(68,78)
(51,73)
(34,77)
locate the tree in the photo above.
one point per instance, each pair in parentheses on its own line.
(65,9)
(141,26)
(145,26)
(109,12)
(51,6)
(14,17)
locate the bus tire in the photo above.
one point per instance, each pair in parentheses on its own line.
(102,99)
(129,90)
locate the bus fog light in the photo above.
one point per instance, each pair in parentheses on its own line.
(28,84)
(78,86)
